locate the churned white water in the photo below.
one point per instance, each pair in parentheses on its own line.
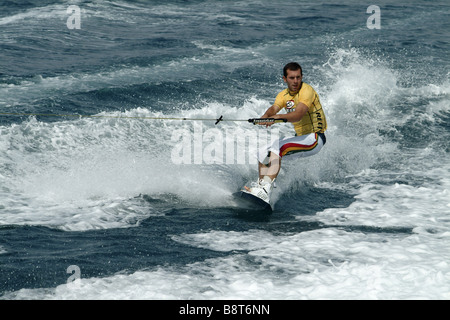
(391,242)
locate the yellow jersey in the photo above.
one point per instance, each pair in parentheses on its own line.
(314,120)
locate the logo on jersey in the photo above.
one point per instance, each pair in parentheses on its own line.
(290,106)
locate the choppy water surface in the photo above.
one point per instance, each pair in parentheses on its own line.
(367,218)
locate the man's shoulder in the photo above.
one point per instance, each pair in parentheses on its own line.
(307,86)
(307,90)
(283,92)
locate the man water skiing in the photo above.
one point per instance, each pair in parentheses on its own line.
(305,112)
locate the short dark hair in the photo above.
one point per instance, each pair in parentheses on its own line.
(293,66)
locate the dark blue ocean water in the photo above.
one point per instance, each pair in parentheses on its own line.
(143,208)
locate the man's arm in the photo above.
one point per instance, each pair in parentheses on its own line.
(273,110)
(300,110)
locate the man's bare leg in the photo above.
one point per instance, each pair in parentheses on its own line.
(272,169)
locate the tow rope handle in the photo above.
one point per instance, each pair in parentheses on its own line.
(256,121)
(253,120)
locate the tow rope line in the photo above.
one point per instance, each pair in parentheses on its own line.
(252,120)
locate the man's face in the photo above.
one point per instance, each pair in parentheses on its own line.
(293,80)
